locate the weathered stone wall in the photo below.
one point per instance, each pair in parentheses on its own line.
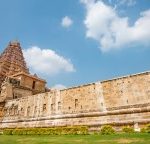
(86,98)
(21,92)
(125,91)
(6,91)
(31,82)
(119,101)
(11,90)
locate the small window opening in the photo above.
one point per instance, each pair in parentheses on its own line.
(33,85)
(76,103)
(59,105)
(44,107)
(13,96)
(127,101)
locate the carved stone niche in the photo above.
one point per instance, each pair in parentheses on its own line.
(12,110)
(16,110)
(21,112)
(28,111)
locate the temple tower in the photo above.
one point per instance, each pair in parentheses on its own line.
(12,61)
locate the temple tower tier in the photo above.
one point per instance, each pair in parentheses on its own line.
(12,61)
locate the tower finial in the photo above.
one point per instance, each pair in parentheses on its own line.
(15,40)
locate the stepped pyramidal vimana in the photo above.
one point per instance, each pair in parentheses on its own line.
(26,102)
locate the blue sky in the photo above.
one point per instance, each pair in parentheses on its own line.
(73,42)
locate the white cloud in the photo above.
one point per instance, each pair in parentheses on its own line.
(59,87)
(46,61)
(104,25)
(66,22)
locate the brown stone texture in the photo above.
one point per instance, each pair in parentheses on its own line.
(15,79)
(12,61)
(134,89)
(32,82)
(120,101)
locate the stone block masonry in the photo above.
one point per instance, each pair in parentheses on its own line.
(120,101)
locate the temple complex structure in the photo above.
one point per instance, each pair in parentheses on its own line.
(12,61)
(15,79)
(26,102)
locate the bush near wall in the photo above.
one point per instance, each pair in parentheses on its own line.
(1,131)
(47,131)
(128,129)
(146,129)
(107,130)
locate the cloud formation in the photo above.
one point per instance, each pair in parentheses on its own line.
(104,25)
(66,22)
(46,61)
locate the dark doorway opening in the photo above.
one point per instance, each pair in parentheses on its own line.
(33,85)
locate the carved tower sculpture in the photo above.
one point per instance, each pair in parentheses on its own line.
(12,61)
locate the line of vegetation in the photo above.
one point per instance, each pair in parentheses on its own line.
(69,130)
(75,130)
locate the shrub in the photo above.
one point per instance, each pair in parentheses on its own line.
(128,129)
(1,132)
(107,130)
(7,131)
(143,130)
(146,129)
(47,131)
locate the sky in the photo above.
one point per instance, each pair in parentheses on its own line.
(74,42)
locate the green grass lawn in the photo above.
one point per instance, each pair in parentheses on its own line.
(77,139)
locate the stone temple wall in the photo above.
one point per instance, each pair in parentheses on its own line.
(120,101)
